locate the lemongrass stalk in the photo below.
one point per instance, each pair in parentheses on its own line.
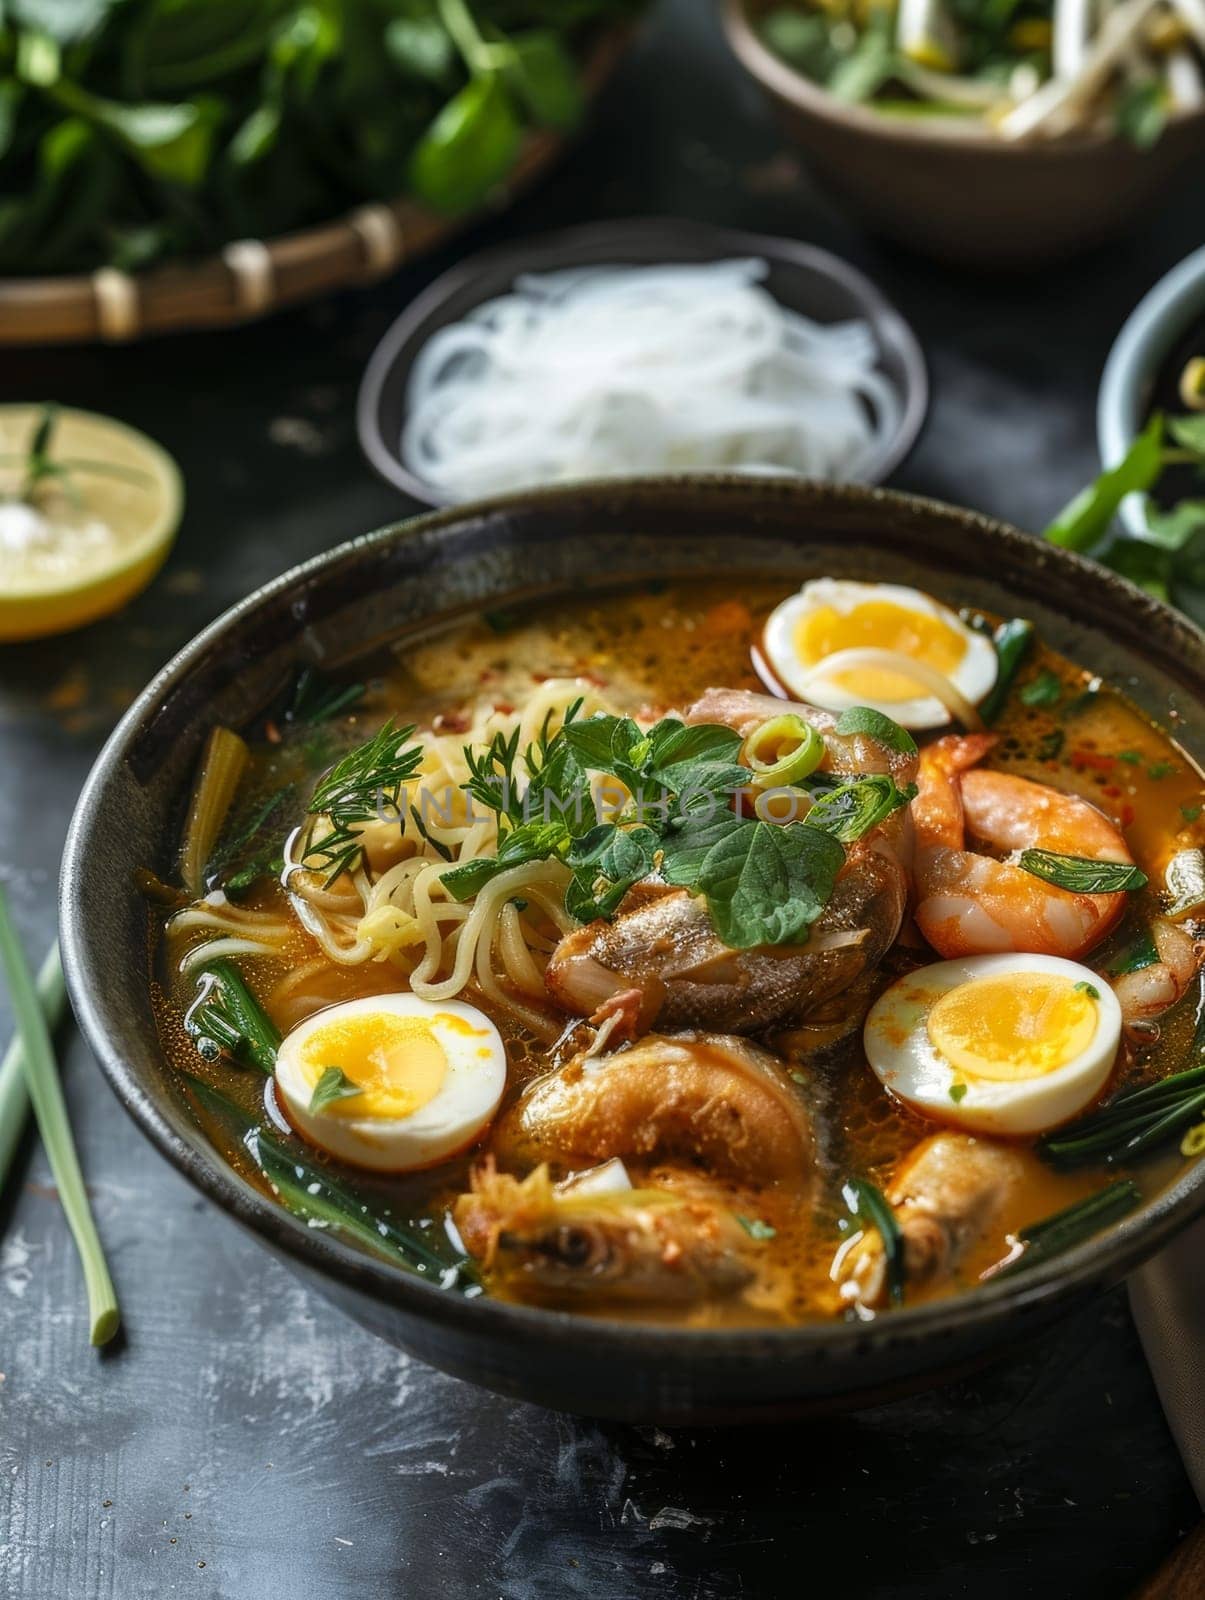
(14,1096)
(50,1109)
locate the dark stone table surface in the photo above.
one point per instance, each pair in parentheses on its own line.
(242,1441)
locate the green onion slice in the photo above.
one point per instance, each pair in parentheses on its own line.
(782,751)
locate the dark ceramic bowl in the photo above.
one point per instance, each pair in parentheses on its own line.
(582,538)
(950,188)
(807,280)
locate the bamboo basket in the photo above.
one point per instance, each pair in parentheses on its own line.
(250,278)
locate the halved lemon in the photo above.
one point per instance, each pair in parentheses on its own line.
(82,544)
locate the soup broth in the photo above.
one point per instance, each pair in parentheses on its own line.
(757,1230)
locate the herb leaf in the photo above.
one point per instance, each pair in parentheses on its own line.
(763,884)
(1085,520)
(867,1202)
(866,720)
(852,809)
(334,1084)
(1013,641)
(756,1228)
(1080,874)
(1044,690)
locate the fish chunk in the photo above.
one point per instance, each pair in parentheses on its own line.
(947,1195)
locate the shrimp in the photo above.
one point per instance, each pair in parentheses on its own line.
(703,1097)
(947,1195)
(634,1244)
(1146,994)
(970,903)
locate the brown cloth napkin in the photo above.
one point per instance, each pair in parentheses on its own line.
(1167,1297)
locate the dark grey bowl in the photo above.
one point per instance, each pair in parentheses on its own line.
(811,281)
(581,538)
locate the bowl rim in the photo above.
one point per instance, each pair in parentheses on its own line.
(585,237)
(1097,1261)
(1146,336)
(793,86)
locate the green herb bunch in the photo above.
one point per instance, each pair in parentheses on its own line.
(764,882)
(136,130)
(1167,559)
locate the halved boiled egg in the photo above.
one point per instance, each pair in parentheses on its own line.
(1004,1044)
(392,1081)
(838,644)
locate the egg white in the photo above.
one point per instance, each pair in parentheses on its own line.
(778,663)
(913,1069)
(448,1122)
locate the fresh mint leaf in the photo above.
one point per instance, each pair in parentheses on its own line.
(766,884)
(874,725)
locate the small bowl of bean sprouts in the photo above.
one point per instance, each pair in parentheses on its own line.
(1000,136)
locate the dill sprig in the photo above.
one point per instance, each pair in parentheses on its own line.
(364,786)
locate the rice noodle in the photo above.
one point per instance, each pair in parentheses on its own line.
(605,370)
(400,914)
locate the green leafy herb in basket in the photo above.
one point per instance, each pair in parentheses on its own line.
(135,130)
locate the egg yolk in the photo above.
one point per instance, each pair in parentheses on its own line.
(1014,1026)
(396,1062)
(880,625)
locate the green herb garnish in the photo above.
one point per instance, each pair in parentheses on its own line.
(1044,690)
(365,786)
(1161,770)
(756,1228)
(958,1092)
(227,1020)
(867,1202)
(1043,1241)
(1084,987)
(308,1188)
(333,1084)
(866,720)
(1190,813)
(1080,874)
(1013,641)
(1132,1123)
